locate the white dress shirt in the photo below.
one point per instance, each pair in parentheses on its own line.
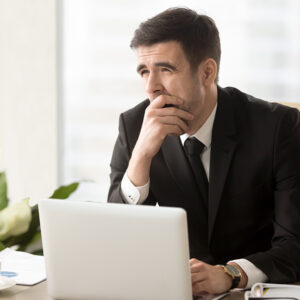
(137,194)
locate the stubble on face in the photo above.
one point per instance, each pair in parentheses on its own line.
(191,104)
(187,84)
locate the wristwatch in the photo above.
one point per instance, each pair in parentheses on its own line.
(234,273)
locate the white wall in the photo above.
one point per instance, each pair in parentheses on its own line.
(28,106)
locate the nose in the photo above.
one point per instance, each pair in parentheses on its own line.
(153,85)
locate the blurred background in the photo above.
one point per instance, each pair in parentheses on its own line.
(67,72)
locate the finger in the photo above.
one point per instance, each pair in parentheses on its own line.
(194,261)
(199,276)
(173,130)
(199,288)
(162,100)
(198,267)
(174,111)
(171,120)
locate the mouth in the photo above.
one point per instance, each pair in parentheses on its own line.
(169,105)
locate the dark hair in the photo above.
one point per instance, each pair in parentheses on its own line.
(197,34)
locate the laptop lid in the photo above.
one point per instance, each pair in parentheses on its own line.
(115,251)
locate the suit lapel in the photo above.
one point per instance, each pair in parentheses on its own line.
(222,151)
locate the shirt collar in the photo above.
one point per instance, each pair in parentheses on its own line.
(204,134)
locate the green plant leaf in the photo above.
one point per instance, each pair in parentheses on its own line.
(3,191)
(37,236)
(38,252)
(34,246)
(65,191)
(2,246)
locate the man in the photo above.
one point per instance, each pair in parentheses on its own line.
(242,191)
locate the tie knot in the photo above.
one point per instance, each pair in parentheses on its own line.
(193,146)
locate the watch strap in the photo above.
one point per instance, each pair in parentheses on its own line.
(235,278)
(235,282)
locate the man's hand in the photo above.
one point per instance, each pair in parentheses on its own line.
(159,121)
(208,279)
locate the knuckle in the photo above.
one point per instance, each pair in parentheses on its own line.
(201,265)
(153,119)
(159,127)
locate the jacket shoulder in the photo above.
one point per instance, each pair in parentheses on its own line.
(259,106)
(137,111)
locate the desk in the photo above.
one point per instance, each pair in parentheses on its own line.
(22,292)
(39,292)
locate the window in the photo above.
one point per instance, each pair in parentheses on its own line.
(260,55)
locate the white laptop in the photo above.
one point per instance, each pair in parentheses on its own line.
(115,251)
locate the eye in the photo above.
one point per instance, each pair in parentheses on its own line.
(143,72)
(165,70)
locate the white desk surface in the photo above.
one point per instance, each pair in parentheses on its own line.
(39,292)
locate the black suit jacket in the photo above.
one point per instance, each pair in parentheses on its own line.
(254,183)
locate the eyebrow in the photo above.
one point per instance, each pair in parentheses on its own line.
(158,64)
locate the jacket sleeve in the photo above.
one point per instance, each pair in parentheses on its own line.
(119,163)
(281,263)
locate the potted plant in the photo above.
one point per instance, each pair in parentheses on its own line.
(19,223)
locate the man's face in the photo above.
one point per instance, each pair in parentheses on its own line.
(165,70)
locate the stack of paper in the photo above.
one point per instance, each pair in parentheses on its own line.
(273,291)
(24,268)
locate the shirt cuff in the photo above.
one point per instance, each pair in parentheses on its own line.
(134,194)
(253,273)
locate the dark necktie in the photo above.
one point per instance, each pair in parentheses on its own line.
(193,149)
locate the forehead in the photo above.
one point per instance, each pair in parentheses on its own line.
(171,52)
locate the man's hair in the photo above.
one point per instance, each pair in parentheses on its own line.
(197,34)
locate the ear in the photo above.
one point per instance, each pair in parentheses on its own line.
(208,71)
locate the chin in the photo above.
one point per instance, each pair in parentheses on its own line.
(185,108)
